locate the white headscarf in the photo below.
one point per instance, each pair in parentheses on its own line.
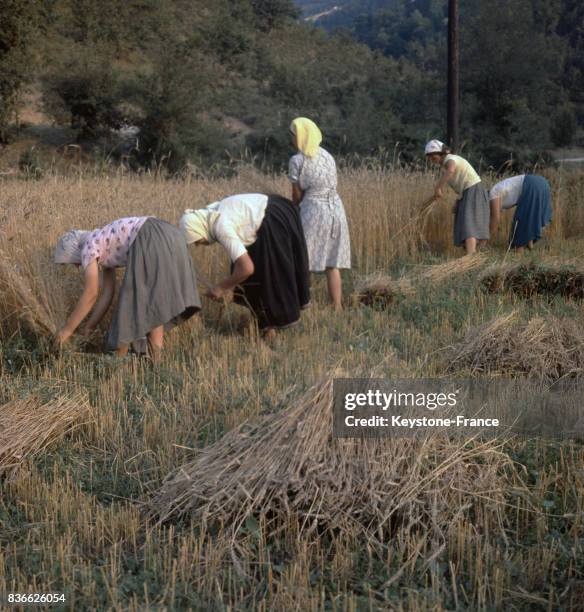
(434,146)
(69,247)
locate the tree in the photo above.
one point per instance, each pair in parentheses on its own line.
(270,13)
(17,28)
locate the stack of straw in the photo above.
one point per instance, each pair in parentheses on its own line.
(286,466)
(380,290)
(28,426)
(531,279)
(546,348)
(20,305)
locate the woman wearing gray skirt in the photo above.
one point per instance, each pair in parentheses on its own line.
(472,210)
(159,287)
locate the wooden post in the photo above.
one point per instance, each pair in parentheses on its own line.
(453,75)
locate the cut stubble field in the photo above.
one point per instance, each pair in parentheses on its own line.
(212,482)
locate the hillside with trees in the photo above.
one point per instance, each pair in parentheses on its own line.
(201,82)
(514,96)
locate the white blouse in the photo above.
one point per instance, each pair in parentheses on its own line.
(508,190)
(240,217)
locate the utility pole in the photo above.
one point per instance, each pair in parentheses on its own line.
(453,75)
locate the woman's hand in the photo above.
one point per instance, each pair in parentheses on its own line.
(62,337)
(438,192)
(216,293)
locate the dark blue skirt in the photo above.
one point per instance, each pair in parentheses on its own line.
(533,212)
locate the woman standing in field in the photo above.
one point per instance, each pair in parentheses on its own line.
(471,221)
(269,262)
(532,197)
(158,290)
(313,174)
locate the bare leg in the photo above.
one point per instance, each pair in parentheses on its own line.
(155,342)
(335,289)
(122,350)
(530,245)
(470,244)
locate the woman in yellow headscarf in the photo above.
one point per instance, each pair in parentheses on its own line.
(313,174)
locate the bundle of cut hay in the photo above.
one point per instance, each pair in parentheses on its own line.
(286,466)
(379,290)
(455,267)
(531,279)
(29,425)
(20,303)
(547,348)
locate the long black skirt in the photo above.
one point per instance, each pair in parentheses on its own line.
(279,288)
(159,286)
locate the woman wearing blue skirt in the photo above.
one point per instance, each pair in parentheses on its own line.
(531,196)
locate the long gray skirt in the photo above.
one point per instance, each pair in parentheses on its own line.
(159,286)
(472,215)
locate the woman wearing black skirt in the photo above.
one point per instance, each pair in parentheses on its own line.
(265,242)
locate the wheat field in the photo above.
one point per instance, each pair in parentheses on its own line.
(96,511)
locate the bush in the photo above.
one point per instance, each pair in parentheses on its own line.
(563,127)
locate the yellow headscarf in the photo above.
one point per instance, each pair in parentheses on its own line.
(198,224)
(308,136)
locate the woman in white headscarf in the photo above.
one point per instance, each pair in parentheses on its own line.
(159,287)
(265,243)
(313,174)
(472,210)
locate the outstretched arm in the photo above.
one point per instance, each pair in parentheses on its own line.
(104,301)
(243,268)
(495,216)
(447,174)
(84,304)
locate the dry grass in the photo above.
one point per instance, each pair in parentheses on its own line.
(381,290)
(287,464)
(28,426)
(439,273)
(462,527)
(546,348)
(529,279)
(22,305)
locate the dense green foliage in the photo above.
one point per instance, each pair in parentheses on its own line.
(515,96)
(205,81)
(16,31)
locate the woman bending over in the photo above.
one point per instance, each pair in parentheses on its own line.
(158,290)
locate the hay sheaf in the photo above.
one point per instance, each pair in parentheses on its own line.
(527,280)
(380,290)
(286,466)
(21,304)
(547,348)
(30,425)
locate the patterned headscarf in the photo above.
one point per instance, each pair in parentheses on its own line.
(308,136)
(68,249)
